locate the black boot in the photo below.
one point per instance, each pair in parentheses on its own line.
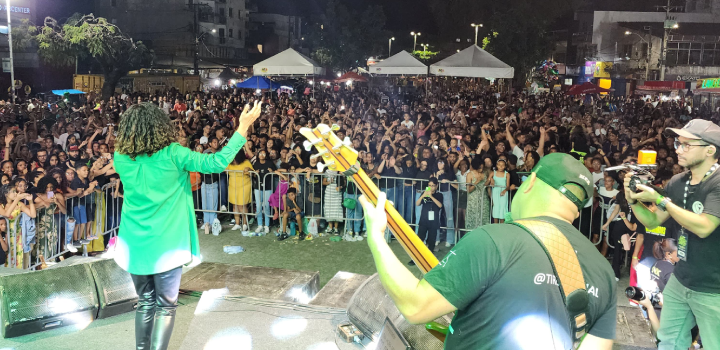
(301,236)
(144,320)
(164,323)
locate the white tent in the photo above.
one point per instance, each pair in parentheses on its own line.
(401,63)
(288,62)
(472,62)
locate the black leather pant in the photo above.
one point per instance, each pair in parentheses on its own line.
(155,314)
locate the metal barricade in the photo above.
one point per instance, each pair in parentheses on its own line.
(93,218)
(229,192)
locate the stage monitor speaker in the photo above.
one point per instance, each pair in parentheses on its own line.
(115,288)
(34,301)
(116,291)
(371,306)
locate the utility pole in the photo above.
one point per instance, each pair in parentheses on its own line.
(668,24)
(647,55)
(12,64)
(197,39)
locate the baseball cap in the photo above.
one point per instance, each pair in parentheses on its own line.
(73,148)
(698,129)
(560,169)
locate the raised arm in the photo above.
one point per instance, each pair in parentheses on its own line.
(541,145)
(216,162)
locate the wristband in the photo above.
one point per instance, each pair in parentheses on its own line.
(659,199)
(662,205)
(635,257)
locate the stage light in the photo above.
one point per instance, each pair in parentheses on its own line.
(298,294)
(230,338)
(339,75)
(288,328)
(530,330)
(258,91)
(311,82)
(217,82)
(233,81)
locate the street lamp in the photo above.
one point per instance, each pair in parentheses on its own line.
(425,46)
(12,68)
(647,54)
(415,42)
(476,26)
(390,46)
(198,38)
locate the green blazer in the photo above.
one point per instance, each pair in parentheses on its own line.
(158,230)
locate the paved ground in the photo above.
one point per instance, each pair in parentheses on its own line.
(317,255)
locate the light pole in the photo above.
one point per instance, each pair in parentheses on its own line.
(390,46)
(415,41)
(197,51)
(425,46)
(12,68)
(476,26)
(647,54)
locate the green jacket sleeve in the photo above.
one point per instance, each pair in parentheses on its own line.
(217,162)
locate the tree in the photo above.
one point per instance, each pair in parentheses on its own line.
(342,38)
(87,36)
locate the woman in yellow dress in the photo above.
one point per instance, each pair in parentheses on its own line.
(240,189)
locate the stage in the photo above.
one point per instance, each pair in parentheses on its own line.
(240,307)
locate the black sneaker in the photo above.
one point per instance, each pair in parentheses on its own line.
(301,236)
(283,236)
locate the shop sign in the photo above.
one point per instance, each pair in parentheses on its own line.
(712,83)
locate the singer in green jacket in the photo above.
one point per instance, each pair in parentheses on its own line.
(157,234)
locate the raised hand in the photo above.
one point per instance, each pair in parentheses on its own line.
(248,117)
(8,138)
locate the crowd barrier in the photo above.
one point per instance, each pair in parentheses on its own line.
(248,195)
(318,197)
(94,219)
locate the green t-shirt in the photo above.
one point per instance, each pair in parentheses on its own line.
(502,283)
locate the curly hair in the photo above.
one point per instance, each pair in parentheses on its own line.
(144,129)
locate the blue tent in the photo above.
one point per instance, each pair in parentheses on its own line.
(258,83)
(70,91)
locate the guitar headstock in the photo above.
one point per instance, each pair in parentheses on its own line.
(337,154)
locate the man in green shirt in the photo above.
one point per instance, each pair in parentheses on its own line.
(157,233)
(498,279)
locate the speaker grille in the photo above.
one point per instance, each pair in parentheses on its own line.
(48,293)
(370,305)
(114,284)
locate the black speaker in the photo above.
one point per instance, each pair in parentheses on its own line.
(115,289)
(35,301)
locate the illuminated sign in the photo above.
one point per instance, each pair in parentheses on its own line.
(15,9)
(709,83)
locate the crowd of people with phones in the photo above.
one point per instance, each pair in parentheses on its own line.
(450,158)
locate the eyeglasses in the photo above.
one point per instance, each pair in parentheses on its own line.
(686,146)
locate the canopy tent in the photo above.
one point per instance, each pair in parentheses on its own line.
(351,76)
(288,62)
(402,63)
(586,88)
(227,74)
(258,83)
(472,62)
(69,91)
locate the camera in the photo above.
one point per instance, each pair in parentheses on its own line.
(638,294)
(641,171)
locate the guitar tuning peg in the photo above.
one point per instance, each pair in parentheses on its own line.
(335,127)
(319,154)
(307,145)
(321,167)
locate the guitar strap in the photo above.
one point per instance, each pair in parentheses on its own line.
(567,270)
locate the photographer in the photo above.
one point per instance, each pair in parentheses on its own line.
(691,297)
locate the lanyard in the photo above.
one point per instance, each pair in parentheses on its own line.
(687,184)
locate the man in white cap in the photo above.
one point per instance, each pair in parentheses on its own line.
(692,296)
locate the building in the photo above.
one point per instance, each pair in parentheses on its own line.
(275,26)
(628,45)
(177,29)
(19,10)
